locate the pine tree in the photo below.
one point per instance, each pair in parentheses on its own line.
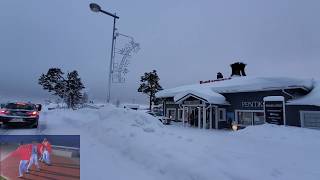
(74,87)
(68,89)
(53,81)
(150,85)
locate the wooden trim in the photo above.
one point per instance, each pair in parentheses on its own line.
(191,95)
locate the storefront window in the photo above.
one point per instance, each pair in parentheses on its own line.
(258,118)
(250,118)
(245,118)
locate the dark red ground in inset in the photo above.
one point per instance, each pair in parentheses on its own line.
(62,168)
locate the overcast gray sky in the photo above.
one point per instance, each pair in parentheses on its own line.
(185,40)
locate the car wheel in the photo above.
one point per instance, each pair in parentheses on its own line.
(35,125)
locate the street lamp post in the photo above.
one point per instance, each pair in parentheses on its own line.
(96,8)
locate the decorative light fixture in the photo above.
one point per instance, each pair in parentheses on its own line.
(234,126)
(95,7)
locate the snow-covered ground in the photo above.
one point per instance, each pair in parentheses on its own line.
(125,144)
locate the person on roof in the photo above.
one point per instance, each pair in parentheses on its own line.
(35,150)
(24,153)
(45,151)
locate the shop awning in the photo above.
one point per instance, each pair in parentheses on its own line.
(206,95)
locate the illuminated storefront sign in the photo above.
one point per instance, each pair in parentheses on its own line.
(252,104)
(274,112)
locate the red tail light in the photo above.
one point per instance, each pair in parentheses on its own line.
(4,112)
(33,113)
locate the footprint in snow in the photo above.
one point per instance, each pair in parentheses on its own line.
(162,171)
(276,173)
(148,130)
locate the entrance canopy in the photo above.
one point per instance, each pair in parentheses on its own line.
(204,94)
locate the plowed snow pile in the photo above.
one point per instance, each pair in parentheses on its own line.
(125,144)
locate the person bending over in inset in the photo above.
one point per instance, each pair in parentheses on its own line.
(34,156)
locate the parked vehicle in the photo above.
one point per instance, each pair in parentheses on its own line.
(166,120)
(163,119)
(20,114)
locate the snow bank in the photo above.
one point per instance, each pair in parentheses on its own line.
(288,134)
(125,144)
(113,140)
(107,118)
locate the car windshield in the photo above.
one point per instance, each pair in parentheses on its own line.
(20,106)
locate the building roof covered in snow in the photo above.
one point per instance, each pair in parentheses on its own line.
(211,92)
(205,94)
(313,98)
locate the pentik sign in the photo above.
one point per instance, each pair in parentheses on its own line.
(252,104)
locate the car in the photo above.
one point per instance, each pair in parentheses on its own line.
(166,120)
(160,117)
(20,113)
(156,115)
(151,113)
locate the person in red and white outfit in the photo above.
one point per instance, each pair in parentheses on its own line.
(35,150)
(24,152)
(46,151)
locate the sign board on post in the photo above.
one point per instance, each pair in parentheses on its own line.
(274,110)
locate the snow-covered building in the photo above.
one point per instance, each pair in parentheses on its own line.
(246,101)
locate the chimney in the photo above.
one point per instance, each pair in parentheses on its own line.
(219,75)
(242,66)
(238,69)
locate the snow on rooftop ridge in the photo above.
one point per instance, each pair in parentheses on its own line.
(313,98)
(174,91)
(241,84)
(244,84)
(204,93)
